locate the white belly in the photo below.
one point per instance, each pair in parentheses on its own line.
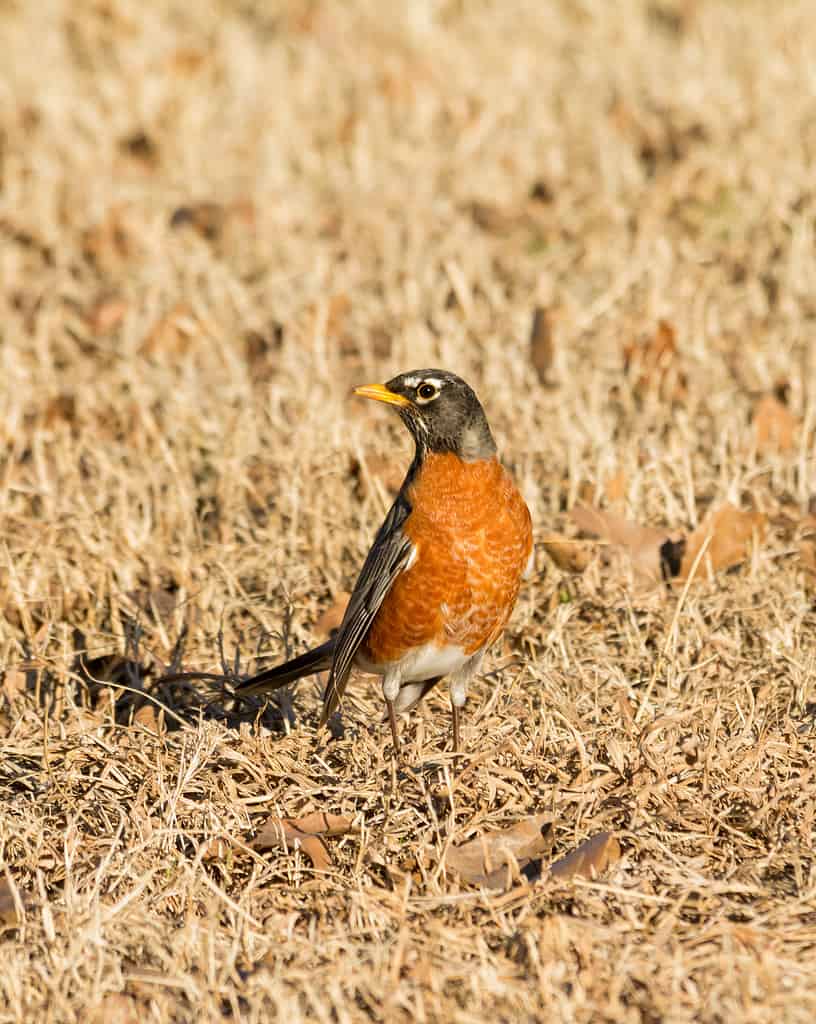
(424,662)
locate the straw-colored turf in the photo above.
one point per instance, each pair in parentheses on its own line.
(388,186)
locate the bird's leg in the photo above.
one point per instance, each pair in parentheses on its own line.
(390,686)
(392,720)
(455,710)
(458,693)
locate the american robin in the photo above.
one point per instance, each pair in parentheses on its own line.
(444,571)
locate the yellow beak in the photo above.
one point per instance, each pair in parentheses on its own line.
(380,393)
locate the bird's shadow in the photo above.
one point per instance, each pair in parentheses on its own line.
(135,685)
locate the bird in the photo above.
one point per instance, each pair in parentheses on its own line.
(445,568)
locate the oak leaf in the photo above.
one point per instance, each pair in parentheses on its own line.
(331,618)
(12,903)
(568,553)
(646,545)
(492,859)
(729,533)
(305,833)
(589,859)
(775,425)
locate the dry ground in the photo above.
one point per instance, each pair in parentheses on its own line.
(215,217)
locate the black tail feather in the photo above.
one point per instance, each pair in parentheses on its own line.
(316,660)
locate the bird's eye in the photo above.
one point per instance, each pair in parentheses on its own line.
(426,392)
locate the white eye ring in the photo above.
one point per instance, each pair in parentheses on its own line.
(431,392)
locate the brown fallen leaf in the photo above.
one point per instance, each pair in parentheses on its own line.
(491,859)
(775,426)
(542,347)
(10,907)
(150,718)
(568,553)
(731,532)
(589,859)
(649,548)
(14,683)
(304,832)
(331,618)
(652,364)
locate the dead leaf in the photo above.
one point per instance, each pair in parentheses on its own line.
(589,859)
(651,364)
(542,347)
(568,553)
(331,618)
(148,717)
(305,833)
(321,823)
(775,426)
(732,532)
(10,908)
(491,859)
(645,545)
(14,683)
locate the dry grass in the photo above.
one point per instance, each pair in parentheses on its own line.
(394,186)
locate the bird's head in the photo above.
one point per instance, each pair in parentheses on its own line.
(441,411)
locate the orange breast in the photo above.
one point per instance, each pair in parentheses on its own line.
(473,533)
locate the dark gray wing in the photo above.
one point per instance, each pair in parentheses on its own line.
(387,558)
